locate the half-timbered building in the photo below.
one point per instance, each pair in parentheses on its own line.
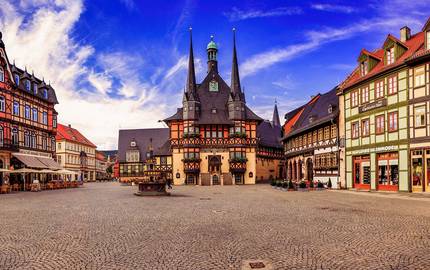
(311,140)
(28,120)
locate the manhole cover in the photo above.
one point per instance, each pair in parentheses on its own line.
(257,265)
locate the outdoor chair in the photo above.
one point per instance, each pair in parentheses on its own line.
(15,187)
(4,189)
(50,186)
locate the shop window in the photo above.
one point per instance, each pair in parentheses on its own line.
(393,121)
(420,116)
(379,89)
(419,76)
(388,169)
(365,129)
(417,172)
(362,170)
(392,85)
(365,94)
(380,124)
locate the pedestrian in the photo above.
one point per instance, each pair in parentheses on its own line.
(169,183)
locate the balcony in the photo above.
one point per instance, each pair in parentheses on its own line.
(191,165)
(238,165)
(215,142)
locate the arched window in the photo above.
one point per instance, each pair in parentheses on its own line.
(44,143)
(53,144)
(1,136)
(35,115)
(1,74)
(26,139)
(27,112)
(45,118)
(15,139)
(33,140)
(2,104)
(16,108)
(27,85)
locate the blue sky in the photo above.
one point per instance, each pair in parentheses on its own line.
(122,63)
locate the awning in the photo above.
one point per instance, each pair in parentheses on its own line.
(50,163)
(30,161)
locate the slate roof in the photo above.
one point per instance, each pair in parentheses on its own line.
(318,111)
(143,138)
(71,134)
(269,134)
(413,45)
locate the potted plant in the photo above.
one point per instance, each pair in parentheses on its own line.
(329,184)
(284,185)
(291,185)
(311,185)
(278,184)
(320,186)
(273,183)
(302,186)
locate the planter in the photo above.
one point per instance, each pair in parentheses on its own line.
(302,189)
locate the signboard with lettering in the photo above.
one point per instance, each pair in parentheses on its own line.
(373,105)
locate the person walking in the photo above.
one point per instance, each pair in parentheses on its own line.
(169,183)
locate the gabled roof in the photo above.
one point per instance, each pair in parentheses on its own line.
(144,138)
(314,113)
(371,54)
(413,44)
(395,40)
(269,134)
(73,135)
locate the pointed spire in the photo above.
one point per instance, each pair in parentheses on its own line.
(191,79)
(235,80)
(275,120)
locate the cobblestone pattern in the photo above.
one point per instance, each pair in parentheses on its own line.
(104,226)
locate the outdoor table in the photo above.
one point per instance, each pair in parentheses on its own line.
(35,187)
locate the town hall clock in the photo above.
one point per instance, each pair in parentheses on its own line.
(213,86)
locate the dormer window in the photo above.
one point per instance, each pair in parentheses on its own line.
(390,56)
(1,74)
(213,86)
(45,93)
(35,88)
(27,85)
(17,79)
(364,68)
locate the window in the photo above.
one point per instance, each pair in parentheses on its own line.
(419,76)
(2,104)
(420,116)
(35,88)
(17,79)
(1,136)
(388,169)
(365,130)
(16,108)
(355,130)
(365,94)
(15,139)
(392,119)
(53,144)
(45,118)
(364,68)
(44,143)
(54,121)
(27,112)
(379,89)
(354,98)
(59,146)
(326,133)
(392,85)
(27,139)
(27,85)
(33,140)
(428,39)
(35,115)
(1,74)
(333,131)
(390,56)
(45,93)
(380,124)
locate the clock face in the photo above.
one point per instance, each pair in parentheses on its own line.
(213,86)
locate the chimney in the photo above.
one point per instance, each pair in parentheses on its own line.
(70,126)
(405,33)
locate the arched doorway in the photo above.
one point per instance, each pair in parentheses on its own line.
(309,169)
(215,169)
(300,170)
(294,170)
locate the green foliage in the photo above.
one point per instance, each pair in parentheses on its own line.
(302,184)
(311,184)
(290,184)
(278,183)
(273,183)
(284,184)
(320,185)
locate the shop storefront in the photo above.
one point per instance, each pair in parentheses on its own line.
(420,170)
(388,171)
(361,172)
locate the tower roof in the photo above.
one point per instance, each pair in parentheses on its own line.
(191,78)
(235,80)
(212,44)
(275,119)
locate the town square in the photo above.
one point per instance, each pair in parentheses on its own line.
(190,135)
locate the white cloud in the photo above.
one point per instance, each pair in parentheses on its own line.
(180,65)
(129,4)
(334,8)
(38,34)
(237,15)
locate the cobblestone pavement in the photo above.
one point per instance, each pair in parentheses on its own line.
(104,226)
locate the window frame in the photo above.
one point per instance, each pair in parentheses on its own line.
(379,130)
(378,83)
(423,74)
(2,77)
(363,134)
(396,121)
(390,55)
(2,104)
(366,90)
(355,133)
(423,114)
(356,94)
(18,112)
(394,84)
